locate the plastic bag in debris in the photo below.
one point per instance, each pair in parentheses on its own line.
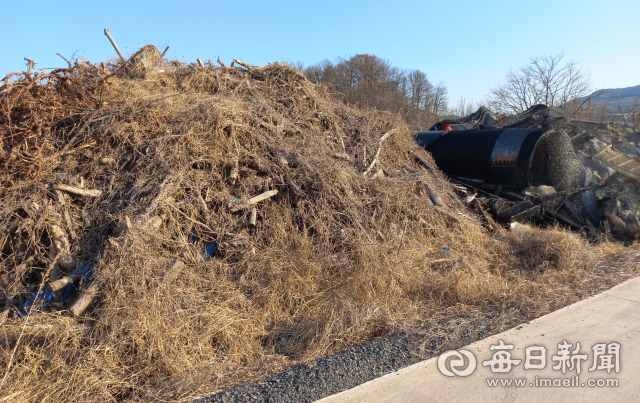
(86,275)
(210,251)
(45,296)
(481,118)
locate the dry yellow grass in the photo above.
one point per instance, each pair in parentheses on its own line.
(335,259)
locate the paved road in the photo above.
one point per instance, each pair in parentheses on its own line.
(601,321)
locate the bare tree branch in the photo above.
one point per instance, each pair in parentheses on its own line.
(545,80)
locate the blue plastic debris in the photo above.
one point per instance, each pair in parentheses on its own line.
(45,296)
(210,251)
(445,251)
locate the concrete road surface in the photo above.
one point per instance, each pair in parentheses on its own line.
(535,362)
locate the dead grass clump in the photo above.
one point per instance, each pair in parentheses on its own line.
(547,269)
(538,251)
(350,247)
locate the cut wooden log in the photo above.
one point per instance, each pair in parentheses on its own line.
(78,191)
(253,70)
(254,200)
(59,284)
(469,199)
(200,62)
(83,302)
(241,63)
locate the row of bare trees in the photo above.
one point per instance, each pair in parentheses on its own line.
(369,81)
(613,110)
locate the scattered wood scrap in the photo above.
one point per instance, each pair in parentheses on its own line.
(375,157)
(85,299)
(254,200)
(78,191)
(59,284)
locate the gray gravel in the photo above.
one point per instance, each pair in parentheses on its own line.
(342,371)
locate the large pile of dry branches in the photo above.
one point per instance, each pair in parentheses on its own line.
(167,235)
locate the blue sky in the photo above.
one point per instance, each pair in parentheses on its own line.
(468,45)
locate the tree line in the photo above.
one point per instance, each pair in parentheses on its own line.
(368,81)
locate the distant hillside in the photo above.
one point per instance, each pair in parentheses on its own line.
(625,96)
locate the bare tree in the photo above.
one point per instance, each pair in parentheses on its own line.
(545,80)
(463,108)
(439,99)
(296,65)
(323,72)
(628,115)
(419,88)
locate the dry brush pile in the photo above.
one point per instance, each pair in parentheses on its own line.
(170,234)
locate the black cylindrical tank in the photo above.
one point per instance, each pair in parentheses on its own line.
(514,158)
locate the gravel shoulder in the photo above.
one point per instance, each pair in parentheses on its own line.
(351,367)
